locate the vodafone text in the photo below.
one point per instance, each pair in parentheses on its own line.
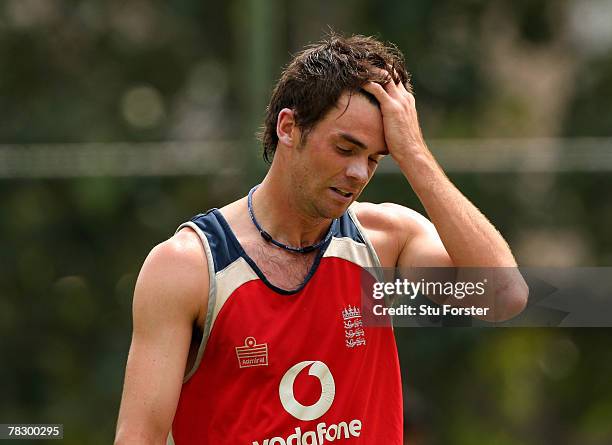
(323,432)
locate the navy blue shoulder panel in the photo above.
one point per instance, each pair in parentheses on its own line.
(223,250)
(346,228)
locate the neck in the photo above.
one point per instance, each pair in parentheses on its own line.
(281,213)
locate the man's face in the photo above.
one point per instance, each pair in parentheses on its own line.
(339,157)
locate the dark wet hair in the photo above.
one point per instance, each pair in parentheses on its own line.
(317,76)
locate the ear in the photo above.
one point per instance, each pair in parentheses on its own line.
(286,127)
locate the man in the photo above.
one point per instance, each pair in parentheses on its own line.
(248,322)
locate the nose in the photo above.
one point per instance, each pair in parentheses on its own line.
(357,170)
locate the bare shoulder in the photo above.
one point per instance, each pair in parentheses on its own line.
(170,295)
(174,278)
(392,218)
(399,235)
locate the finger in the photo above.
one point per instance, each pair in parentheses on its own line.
(397,76)
(389,84)
(378,91)
(380,72)
(404,88)
(400,91)
(405,92)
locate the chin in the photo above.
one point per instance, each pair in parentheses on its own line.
(333,212)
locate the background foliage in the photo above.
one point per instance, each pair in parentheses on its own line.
(148,70)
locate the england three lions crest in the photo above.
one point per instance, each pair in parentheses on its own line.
(354,335)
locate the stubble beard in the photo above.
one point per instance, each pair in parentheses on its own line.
(314,204)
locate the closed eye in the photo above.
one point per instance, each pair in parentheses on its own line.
(344,151)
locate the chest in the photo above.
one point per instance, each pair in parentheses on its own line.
(282,268)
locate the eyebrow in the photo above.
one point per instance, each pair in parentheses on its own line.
(349,138)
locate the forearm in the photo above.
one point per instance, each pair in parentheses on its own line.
(469,238)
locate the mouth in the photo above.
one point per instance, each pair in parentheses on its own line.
(342,192)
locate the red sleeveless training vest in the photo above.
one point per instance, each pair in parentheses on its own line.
(280,367)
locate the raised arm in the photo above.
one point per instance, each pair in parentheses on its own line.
(465,233)
(170,297)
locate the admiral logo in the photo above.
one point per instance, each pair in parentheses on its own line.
(252,354)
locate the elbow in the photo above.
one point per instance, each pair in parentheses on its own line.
(125,437)
(512,299)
